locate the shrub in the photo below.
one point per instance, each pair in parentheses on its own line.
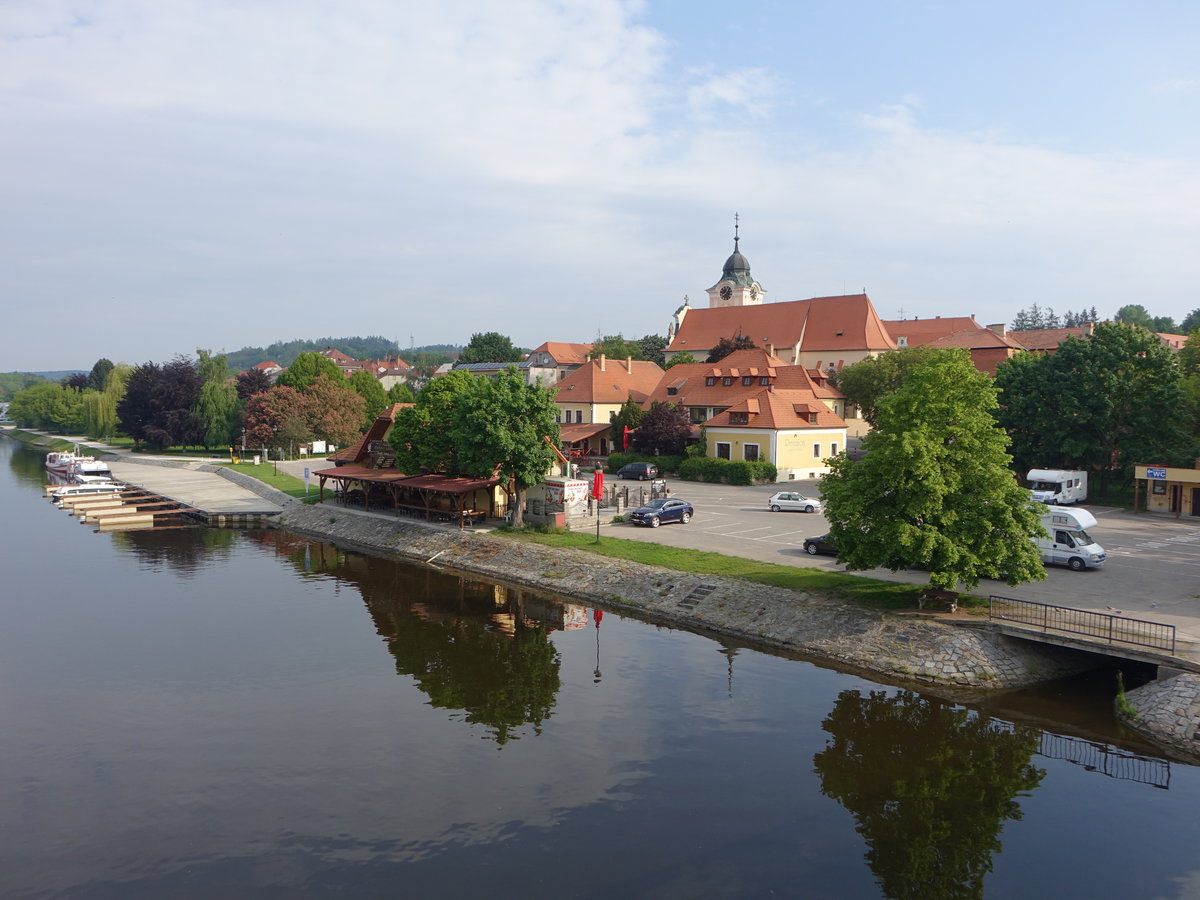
(617,460)
(724,471)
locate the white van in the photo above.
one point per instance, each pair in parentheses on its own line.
(1057,486)
(1067,542)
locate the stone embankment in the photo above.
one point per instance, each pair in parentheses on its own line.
(1168,711)
(921,649)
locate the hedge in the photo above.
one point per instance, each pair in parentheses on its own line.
(725,471)
(664,463)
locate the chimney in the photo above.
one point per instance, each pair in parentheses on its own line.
(770,349)
(601,362)
(629,364)
(1000,329)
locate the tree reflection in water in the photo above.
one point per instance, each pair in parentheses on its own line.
(930,785)
(472,646)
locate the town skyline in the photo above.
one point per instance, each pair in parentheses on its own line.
(203,175)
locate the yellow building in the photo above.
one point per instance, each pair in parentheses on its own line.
(1168,489)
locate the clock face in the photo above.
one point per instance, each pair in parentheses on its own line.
(726,292)
(753,293)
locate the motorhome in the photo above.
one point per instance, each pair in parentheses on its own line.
(1067,542)
(1057,487)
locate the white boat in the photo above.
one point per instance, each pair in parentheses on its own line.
(83,490)
(87,470)
(60,462)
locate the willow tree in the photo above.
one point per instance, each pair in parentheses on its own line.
(935,488)
(217,405)
(100,407)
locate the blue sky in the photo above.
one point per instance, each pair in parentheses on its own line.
(213,174)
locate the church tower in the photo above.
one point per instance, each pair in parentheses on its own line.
(736,287)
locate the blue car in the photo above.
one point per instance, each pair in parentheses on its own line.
(665,509)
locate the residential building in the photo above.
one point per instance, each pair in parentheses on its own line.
(988,346)
(589,395)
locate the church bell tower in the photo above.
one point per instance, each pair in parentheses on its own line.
(736,287)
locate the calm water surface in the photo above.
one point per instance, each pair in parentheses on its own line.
(204,713)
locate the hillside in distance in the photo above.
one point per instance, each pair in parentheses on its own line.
(371,347)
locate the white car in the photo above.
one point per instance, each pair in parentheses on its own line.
(793,501)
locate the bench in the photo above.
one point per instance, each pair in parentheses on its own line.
(938,595)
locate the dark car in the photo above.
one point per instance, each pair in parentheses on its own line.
(820,544)
(665,509)
(642,471)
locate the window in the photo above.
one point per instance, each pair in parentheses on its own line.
(727,380)
(558,417)
(579,415)
(739,418)
(710,381)
(833,449)
(817,451)
(747,380)
(672,391)
(722,450)
(764,381)
(698,414)
(750,452)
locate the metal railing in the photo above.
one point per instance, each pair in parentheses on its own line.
(1107,627)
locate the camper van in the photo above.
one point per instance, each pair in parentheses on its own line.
(1057,487)
(1067,542)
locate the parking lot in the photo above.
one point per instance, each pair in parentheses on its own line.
(1152,571)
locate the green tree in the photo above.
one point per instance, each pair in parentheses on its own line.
(652,347)
(630,416)
(504,426)
(375,398)
(1190,323)
(400,393)
(867,382)
(217,405)
(665,429)
(935,487)
(680,359)
(49,406)
(1189,353)
(614,346)
(420,435)
(100,407)
(1163,325)
(99,374)
(490,347)
(1102,404)
(1134,314)
(930,785)
(727,345)
(307,366)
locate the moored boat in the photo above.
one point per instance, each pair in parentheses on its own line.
(87,470)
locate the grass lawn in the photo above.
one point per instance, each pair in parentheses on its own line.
(866,592)
(281,481)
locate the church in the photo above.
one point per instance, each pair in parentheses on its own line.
(824,333)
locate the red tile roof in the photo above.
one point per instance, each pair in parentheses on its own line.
(780,410)
(563,353)
(834,324)
(690,380)
(615,383)
(1047,338)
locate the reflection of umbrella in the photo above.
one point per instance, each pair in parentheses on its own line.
(597,615)
(730,653)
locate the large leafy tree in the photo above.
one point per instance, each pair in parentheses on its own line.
(276,416)
(867,382)
(665,429)
(1134,314)
(1190,323)
(614,346)
(935,487)
(100,407)
(251,382)
(652,346)
(630,416)
(727,345)
(158,409)
(50,406)
(930,785)
(490,347)
(98,377)
(421,435)
(400,393)
(1103,403)
(305,369)
(375,398)
(218,403)
(679,359)
(504,426)
(333,412)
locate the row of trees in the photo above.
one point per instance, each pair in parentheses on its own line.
(1034,317)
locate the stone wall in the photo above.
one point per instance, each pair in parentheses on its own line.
(918,649)
(1168,711)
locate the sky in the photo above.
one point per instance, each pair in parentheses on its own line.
(183,174)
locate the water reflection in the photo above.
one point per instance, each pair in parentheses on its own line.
(476,648)
(930,785)
(183,551)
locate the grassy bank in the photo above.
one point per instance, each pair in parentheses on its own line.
(40,441)
(866,592)
(281,481)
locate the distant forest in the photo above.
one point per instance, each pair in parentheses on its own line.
(11,382)
(371,347)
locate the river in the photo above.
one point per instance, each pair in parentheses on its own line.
(199,713)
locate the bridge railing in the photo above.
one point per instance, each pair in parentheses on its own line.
(1107,627)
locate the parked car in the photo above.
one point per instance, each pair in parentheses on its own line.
(665,509)
(821,544)
(641,471)
(793,501)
